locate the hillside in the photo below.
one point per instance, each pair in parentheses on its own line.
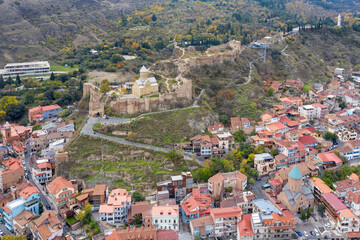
(26,26)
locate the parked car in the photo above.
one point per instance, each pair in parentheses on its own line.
(298,233)
(48,207)
(23,162)
(316,232)
(1,221)
(306,234)
(312,233)
(1,233)
(328,225)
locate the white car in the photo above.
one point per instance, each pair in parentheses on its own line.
(328,225)
(316,232)
(306,234)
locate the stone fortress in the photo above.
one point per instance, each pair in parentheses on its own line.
(145,95)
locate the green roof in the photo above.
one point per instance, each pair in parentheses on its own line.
(295,173)
(31,202)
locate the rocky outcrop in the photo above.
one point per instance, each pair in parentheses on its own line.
(202,123)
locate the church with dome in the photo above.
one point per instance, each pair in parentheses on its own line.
(296,194)
(145,85)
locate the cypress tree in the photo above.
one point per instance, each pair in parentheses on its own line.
(2,82)
(52,76)
(18,80)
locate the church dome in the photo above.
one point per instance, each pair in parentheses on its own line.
(295,173)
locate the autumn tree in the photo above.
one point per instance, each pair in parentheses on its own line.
(105,86)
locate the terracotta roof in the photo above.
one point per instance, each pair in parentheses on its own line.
(226,212)
(202,221)
(6,209)
(244,226)
(293,123)
(214,141)
(58,184)
(354,177)
(148,233)
(24,217)
(12,165)
(140,207)
(170,210)
(329,157)
(216,178)
(197,203)
(353,197)
(44,232)
(321,185)
(44,108)
(347,213)
(100,189)
(307,139)
(167,235)
(82,197)
(273,127)
(27,192)
(44,165)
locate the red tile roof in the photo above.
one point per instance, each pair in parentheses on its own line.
(226,212)
(244,226)
(329,157)
(334,201)
(58,184)
(167,235)
(307,139)
(27,192)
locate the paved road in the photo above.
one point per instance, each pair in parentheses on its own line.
(88,130)
(5,230)
(43,197)
(257,188)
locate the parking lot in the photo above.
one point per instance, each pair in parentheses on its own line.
(322,225)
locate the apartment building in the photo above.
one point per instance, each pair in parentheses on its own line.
(165,217)
(195,205)
(225,220)
(220,181)
(116,209)
(42,172)
(11,173)
(265,164)
(40,113)
(95,196)
(178,187)
(61,191)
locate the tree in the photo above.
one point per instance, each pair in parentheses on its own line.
(321,209)
(251,181)
(174,155)
(309,211)
(342,105)
(204,173)
(330,136)
(84,216)
(9,81)
(153,18)
(18,81)
(12,237)
(69,213)
(239,136)
(306,88)
(6,101)
(2,82)
(270,92)
(274,152)
(303,215)
(52,76)
(29,98)
(36,127)
(138,197)
(2,115)
(115,58)
(105,86)
(15,111)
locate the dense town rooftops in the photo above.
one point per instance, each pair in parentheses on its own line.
(334,201)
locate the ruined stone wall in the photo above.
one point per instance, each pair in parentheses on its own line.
(131,104)
(218,58)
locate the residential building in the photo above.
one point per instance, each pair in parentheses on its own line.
(47,226)
(239,199)
(11,173)
(165,217)
(323,109)
(61,191)
(308,141)
(277,128)
(13,132)
(342,187)
(95,196)
(350,150)
(310,112)
(205,146)
(20,222)
(296,194)
(318,187)
(226,141)
(332,206)
(42,172)
(244,228)
(225,220)
(330,161)
(220,181)
(238,123)
(178,187)
(142,209)
(347,221)
(202,227)
(268,222)
(3,152)
(133,234)
(145,85)
(117,207)
(40,113)
(218,127)
(19,149)
(264,163)
(195,205)
(25,69)
(29,200)
(352,200)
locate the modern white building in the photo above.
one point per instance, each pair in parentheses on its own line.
(165,217)
(310,112)
(25,69)
(42,172)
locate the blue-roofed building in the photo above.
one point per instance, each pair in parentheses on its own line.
(29,200)
(296,194)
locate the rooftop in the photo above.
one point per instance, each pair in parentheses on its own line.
(295,173)
(334,201)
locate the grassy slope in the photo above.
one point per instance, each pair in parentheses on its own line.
(100,161)
(162,129)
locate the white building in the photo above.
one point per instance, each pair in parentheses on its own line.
(25,69)
(310,112)
(42,172)
(117,207)
(165,217)
(226,141)
(265,164)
